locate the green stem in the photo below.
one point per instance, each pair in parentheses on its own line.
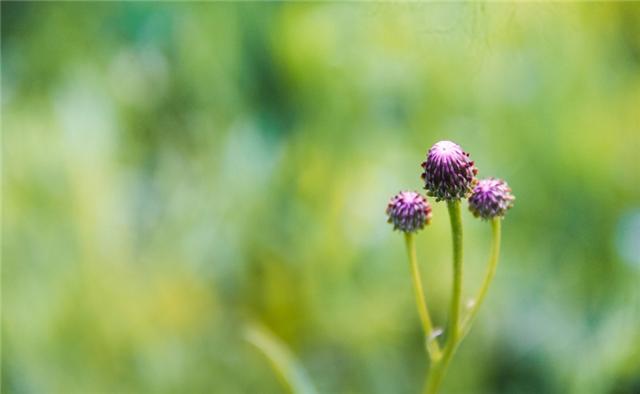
(431,342)
(439,368)
(491,270)
(456,231)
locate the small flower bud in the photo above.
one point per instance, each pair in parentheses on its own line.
(409,211)
(448,174)
(490,198)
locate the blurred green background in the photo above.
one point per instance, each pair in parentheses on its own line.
(172,171)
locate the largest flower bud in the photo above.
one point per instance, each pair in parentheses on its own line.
(448,174)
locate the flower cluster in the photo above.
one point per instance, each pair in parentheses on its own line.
(449,174)
(409,211)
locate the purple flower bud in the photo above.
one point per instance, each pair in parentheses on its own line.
(448,174)
(409,211)
(490,198)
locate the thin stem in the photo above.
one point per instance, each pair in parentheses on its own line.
(287,368)
(488,277)
(431,342)
(438,369)
(456,232)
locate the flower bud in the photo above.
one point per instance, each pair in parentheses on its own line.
(448,174)
(409,211)
(490,198)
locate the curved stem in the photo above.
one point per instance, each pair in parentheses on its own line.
(283,362)
(438,369)
(488,277)
(430,340)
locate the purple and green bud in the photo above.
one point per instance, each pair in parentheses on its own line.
(490,198)
(448,174)
(409,211)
